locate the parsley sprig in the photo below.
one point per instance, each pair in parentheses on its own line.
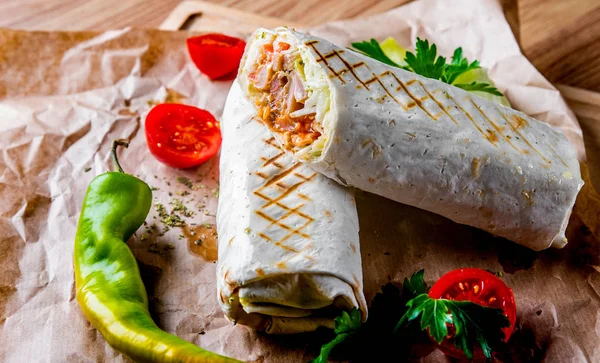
(426,62)
(373,50)
(473,323)
(346,325)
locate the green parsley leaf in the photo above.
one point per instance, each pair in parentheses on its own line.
(425,60)
(473,322)
(415,286)
(346,325)
(348,322)
(373,49)
(458,66)
(479,86)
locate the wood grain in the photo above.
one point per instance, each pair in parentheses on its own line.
(312,12)
(560,37)
(83,14)
(563,40)
(586,105)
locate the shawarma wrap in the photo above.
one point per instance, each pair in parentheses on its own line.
(289,254)
(412,139)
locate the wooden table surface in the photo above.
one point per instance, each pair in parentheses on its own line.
(560,37)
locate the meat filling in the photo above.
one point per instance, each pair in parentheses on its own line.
(282,96)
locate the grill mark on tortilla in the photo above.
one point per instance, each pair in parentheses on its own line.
(521,123)
(230,240)
(332,54)
(260,272)
(281,175)
(375,78)
(280,205)
(312,45)
(262,175)
(359,64)
(279,223)
(287,192)
(265,236)
(440,105)
(281,265)
(304,196)
(521,136)
(272,142)
(284,190)
(411,82)
(289,213)
(415,100)
(297,211)
(278,244)
(559,157)
(487,137)
(353,248)
(284,207)
(297,230)
(348,66)
(494,125)
(273,159)
(298,175)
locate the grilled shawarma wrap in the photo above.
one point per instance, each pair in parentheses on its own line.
(412,139)
(289,256)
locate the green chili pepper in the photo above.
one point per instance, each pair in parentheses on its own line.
(109,287)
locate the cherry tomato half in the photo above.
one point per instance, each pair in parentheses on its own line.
(216,55)
(182,136)
(480,287)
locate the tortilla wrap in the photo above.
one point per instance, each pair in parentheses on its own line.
(412,139)
(289,254)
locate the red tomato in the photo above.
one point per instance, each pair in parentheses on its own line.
(182,136)
(480,287)
(216,55)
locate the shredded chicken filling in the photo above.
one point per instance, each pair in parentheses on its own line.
(281,103)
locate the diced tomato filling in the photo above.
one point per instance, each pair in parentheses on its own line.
(283,93)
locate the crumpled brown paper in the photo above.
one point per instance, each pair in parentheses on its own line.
(66,96)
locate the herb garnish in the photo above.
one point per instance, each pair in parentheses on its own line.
(473,323)
(427,63)
(346,325)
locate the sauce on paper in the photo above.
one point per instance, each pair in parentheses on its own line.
(202,241)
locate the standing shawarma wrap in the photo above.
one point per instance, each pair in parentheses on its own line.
(289,256)
(412,139)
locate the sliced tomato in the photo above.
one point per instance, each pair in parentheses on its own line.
(480,287)
(216,55)
(182,136)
